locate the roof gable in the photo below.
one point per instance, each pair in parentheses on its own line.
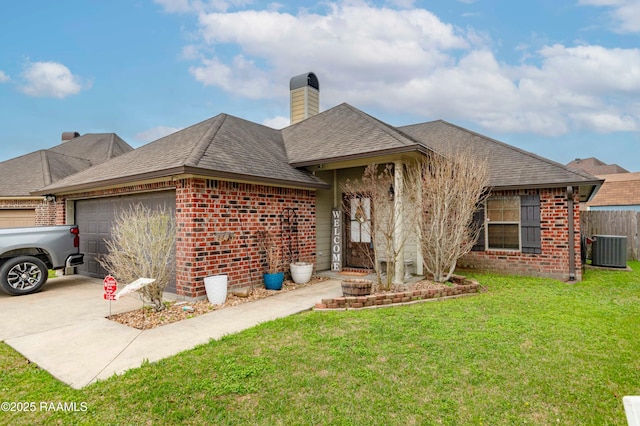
(340,133)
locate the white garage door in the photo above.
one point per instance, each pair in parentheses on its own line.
(95,218)
(15,218)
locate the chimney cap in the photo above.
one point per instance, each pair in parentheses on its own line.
(302,80)
(67,136)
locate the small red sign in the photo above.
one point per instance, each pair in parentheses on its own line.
(110,288)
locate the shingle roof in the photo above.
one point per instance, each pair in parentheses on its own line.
(95,147)
(229,147)
(595,167)
(222,146)
(342,132)
(22,175)
(508,165)
(619,189)
(25,174)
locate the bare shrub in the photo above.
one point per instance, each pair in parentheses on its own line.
(393,214)
(453,188)
(268,244)
(142,246)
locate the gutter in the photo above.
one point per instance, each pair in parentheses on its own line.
(174,172)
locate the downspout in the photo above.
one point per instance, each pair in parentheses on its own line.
(572,248)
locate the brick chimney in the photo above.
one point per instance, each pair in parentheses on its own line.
(67,136)
(305,96)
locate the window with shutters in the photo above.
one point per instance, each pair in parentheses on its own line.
(510,223)
(503,223)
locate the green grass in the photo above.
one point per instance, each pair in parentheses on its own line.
(529,351)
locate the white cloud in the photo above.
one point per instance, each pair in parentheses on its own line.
(49,79)
(410,61)
(625,14)
(155,133)
(278,122)
(3,77)
(240,77)
(354,41)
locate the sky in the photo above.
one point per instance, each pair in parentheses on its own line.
(559,78)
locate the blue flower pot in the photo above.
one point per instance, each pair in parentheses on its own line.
(273,281)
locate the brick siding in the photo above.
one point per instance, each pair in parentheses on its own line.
(216,223)
(553,262)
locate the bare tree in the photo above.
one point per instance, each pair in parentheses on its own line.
(453,188)
(142,246)
(391,223)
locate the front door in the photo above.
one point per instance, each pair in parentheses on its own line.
(359,246)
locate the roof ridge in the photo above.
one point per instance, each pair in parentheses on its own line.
(201,146)
(60,154)
(46,170)
(112,142)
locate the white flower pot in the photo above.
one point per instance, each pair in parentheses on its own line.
(216,288)
(301,272)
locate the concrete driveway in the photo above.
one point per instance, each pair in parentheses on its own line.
(63,301)
(64,328)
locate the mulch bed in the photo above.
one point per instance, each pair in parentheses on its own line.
(146,318)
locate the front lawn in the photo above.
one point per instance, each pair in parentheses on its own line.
(529,351)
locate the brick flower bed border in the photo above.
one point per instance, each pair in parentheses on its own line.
(460,287)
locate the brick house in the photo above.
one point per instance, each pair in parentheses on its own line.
(226,178)
(22,175)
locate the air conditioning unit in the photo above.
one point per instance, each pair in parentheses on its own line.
(609,250)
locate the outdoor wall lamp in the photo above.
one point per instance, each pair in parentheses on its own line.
(50,198)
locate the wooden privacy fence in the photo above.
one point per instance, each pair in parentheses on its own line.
(613,222)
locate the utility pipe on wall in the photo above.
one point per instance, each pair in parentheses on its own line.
(572,254)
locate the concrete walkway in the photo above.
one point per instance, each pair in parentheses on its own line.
(63,328)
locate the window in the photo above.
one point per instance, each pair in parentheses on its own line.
(500,230)
(360,220)
(503,223)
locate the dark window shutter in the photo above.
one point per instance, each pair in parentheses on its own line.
(478,220)
(530,223)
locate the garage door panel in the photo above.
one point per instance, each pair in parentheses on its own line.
(17,217)
(95,218)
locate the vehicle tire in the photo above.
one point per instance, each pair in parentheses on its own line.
(23,275)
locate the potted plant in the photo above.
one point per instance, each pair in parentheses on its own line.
(273,275)
(356,287)
(301,271)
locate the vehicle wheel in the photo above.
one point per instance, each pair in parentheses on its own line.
(23,275)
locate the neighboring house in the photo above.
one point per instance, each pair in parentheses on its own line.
(20,176)
(226,178)
(595,167)
(620,191)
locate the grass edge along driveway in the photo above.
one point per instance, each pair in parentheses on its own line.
(529,351)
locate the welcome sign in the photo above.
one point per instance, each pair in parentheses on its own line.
(336,240)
